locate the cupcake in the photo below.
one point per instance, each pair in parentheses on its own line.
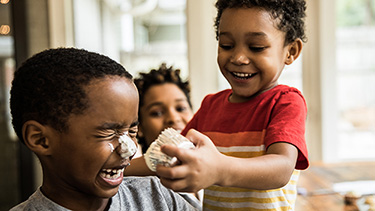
(154,156)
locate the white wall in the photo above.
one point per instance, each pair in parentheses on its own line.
(202,50)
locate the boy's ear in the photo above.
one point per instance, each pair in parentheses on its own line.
(294,50)
(34,135)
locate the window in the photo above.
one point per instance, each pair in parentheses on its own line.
(158,34)
(355,50)
(140,34)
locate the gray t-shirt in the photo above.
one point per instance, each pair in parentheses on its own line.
(135,193)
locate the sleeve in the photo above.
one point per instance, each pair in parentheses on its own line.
(193,123)
(287,124)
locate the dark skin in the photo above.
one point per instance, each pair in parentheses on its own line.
(165,105)
(252,54)
(73,161)
(205,166)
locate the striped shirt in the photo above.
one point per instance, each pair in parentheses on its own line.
(245,130)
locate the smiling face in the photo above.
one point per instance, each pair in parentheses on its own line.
(82,163)
(251,52)
(165,105)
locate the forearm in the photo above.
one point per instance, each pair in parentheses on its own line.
(269,171)
(262,173)
(138,167)
(206,166)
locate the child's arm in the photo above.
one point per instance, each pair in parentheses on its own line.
(206,166)
(138,167)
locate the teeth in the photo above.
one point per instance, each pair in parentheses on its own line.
(242,75)
(111,173)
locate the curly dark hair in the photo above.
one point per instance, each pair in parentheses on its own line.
(49,86)
(290,13)
(161,76)
(157,77)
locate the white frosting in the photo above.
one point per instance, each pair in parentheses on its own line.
(111,147)
(127,146)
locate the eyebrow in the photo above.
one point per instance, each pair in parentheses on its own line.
(115,126)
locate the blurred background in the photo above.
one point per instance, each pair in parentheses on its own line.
(336,72)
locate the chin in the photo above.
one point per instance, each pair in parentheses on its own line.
(104,192)
(109,193)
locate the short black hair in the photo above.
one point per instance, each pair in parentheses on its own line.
(289,13)
(160,76)
(49,86)
(154,77)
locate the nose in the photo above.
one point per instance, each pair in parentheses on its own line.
(127,147)
(239,57)
(172,118)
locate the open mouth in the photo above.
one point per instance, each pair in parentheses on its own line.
(243,76)
(111,174)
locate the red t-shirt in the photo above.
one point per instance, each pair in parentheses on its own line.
(277,115)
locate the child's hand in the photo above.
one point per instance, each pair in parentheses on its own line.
(199,168)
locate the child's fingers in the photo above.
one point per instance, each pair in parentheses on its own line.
(176,185)
(195,137)
(172,173)
(191,135)
(169,150)
(182,155)
(199,139)
(175,178)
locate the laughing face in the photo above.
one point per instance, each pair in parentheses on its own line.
(251,53)
(165,105)
(86,160)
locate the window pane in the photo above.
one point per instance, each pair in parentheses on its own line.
(154,33)
(140,34)
(355,41)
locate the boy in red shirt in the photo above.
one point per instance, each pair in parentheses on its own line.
(257,127)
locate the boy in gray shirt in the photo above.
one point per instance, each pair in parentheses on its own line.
(77,111)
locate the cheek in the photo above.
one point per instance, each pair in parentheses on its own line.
(151,129)
(97,154)
(87,162)
(187,117)
(220,59)
(152,124)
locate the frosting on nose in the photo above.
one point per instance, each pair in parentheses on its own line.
(127,146)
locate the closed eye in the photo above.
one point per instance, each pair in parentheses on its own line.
(225,47)
(133,132)
(108,137)
(257,49)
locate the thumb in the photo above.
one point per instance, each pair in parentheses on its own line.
(198,138)
(169,150)
(182,155)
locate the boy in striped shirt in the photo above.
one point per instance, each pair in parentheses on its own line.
(250,143)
